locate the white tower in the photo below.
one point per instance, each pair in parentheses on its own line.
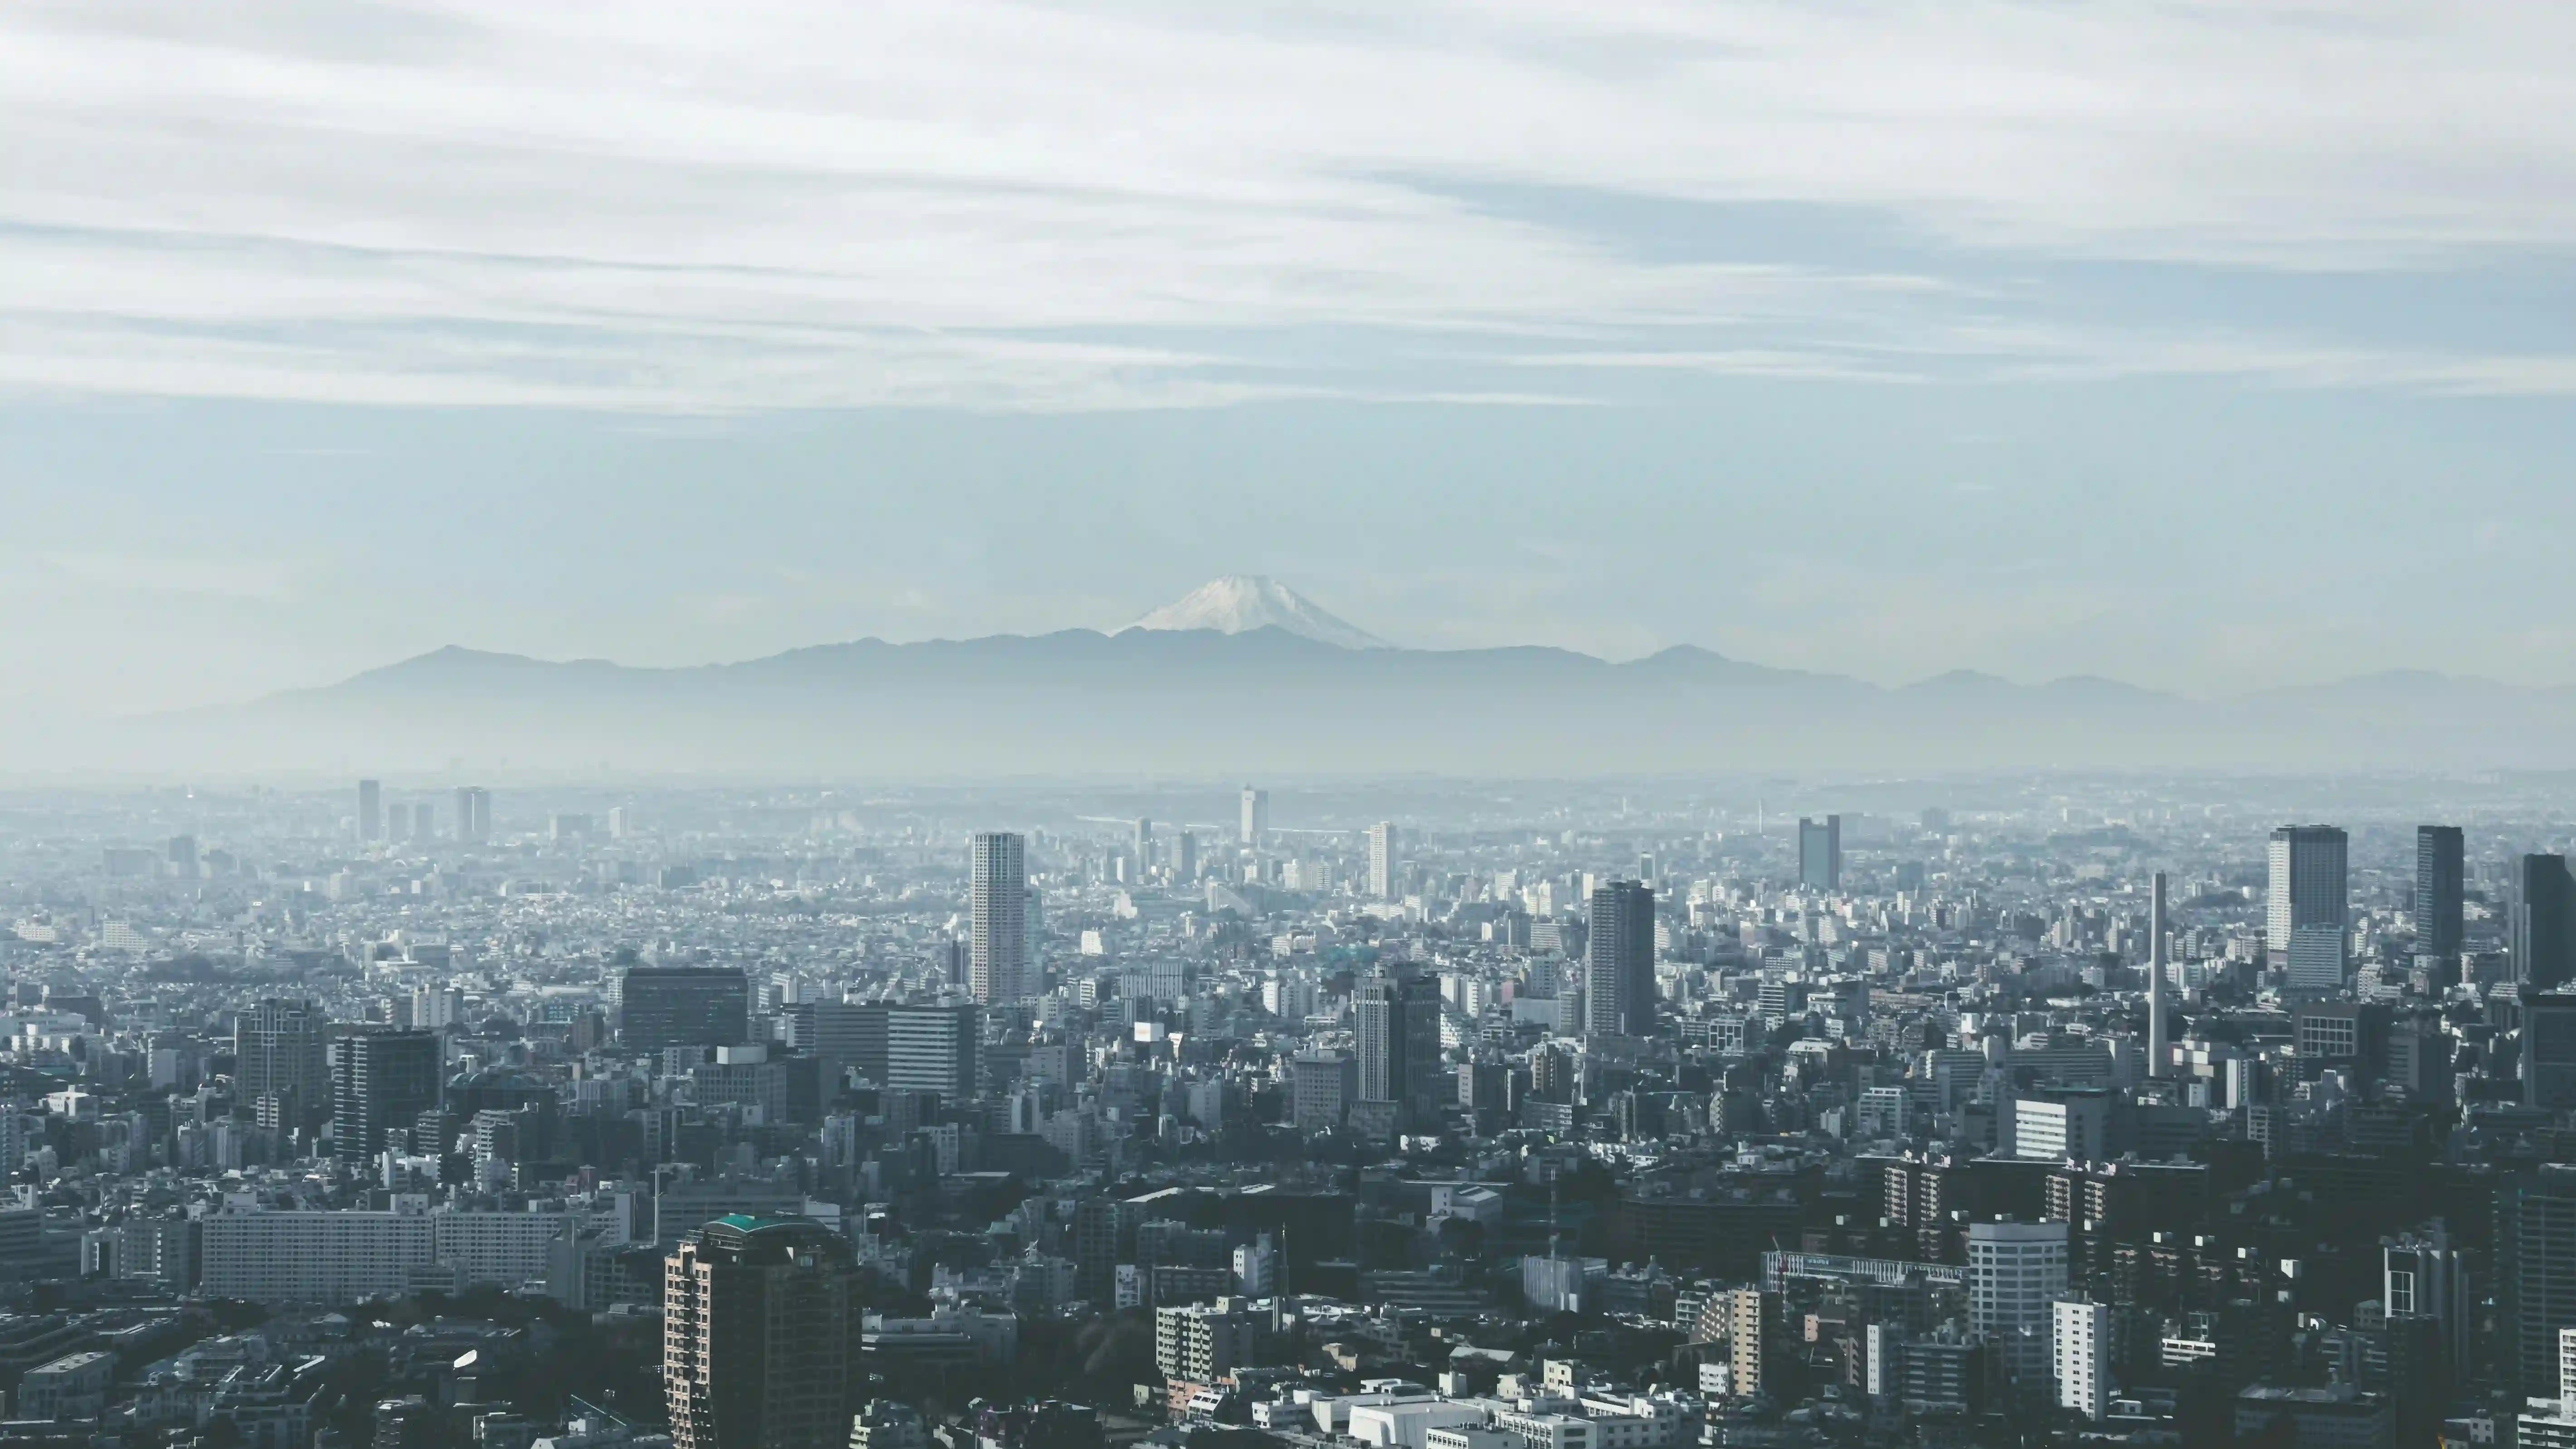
(998,905)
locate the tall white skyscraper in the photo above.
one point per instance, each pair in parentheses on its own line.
(2015,1272)
(2159,1029)
(997,953)
(1256,815)
(2080,1355)
(1381,867)
(2303,927)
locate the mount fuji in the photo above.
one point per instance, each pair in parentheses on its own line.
(1241,603)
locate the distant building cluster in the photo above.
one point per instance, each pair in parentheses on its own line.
(1418,1114)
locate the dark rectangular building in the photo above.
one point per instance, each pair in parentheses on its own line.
(2544,924)
(668,1006)
(381,1083)
(2440,881)
(1820,853)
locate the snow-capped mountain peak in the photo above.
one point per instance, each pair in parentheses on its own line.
(1241,602)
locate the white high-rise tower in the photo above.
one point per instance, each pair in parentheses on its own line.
(997,894)
(1381,860)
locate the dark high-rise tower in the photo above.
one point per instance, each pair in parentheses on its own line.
(2439,882)
(2305,917)
(2544,924)
(1820,853)
(278,1056)
(1619,962)
(381,1081)
(1398,1028)
(997,891)
(758,1328)
(371,810)
(2535,1274)
(668,1006)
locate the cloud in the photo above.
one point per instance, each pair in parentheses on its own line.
(1060,207)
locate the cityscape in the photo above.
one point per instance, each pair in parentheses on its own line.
(1361,724)
(1967,1111)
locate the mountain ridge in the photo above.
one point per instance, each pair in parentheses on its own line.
(1079,702)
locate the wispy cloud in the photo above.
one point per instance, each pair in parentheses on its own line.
(971,203)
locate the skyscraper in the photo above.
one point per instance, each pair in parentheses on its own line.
(1397,1016)
(1144,846)
(2544,924)
(2440,879)
(758,1333)
(1185,857)
(2305,917)
(1381,861)
(278,1050)
(473,815)
(997,953)
(1820,853)
(1256,815)
(2535,1268)
(2015,1272)
(2159,1029)
(371,810)
(2549,1050)
(381,1081)
(1619,961)
(668,1006)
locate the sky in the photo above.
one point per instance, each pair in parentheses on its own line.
(2205,346)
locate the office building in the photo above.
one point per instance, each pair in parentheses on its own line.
(2016,1271)
(2549,1050)
(371,811)
(1256,816)
(2304,920)
(2422,1276)
(2440,885)
(2159,1024)
(1397,1015)
(1322,1086)
(2062,1125)
(1619,962)
(381,1081)
(997,954)
(2080,1355)
(2544,924)
(2534,1257)
(473,815)
(1185,857)
(933,1048)
(758,1335)
(1381,861)
(281,1070)
(1820,853)
(668,1006)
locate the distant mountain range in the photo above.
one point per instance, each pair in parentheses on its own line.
(1246,677)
